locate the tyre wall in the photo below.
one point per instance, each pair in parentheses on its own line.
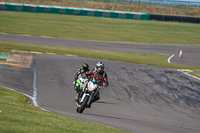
(73,11)
(161,17)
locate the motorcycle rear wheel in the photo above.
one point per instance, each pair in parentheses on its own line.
(83,105)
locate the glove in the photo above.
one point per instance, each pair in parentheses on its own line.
(105,84)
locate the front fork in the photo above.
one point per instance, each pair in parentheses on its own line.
(92,96)
(82,96)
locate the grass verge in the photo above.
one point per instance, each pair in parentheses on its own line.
(17,116)
(2,59)
(99,28)
(141,58)
(197,74)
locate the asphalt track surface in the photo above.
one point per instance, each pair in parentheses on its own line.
(139,98)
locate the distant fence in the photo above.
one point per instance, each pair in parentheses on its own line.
(176,3)
(182,4)
(170,2)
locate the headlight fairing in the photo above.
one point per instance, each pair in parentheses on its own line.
(91,86)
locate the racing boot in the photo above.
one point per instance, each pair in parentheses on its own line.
(77,97)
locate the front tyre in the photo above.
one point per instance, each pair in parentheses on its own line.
(83,105)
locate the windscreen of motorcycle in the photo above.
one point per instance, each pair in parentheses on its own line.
(91,86)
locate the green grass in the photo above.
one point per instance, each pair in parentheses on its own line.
(196,74)
(141,58)
(99,28)
(17,116)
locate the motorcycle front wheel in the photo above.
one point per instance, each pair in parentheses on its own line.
(83,105)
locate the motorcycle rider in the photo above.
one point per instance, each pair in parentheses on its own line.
(100,76)
(81,72)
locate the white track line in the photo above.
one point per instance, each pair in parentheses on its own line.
(170,58)
(34,84)
(25,95)
(34,87)
(180,70)
(188,74)
(19,92)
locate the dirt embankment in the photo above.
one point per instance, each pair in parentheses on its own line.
(133,7)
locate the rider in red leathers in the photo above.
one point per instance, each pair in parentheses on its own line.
(100,76)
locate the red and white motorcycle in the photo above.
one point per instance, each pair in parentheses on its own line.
(88,93)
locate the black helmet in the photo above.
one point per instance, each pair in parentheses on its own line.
(85,67)
(100,65)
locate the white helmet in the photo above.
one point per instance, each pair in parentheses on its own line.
(100,67)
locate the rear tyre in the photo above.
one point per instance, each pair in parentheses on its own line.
(83,105)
